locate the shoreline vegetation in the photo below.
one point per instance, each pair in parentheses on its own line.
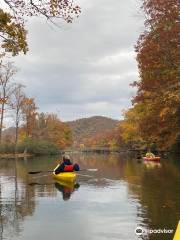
(14,155)
(150,124)
(50,136)
(137,152)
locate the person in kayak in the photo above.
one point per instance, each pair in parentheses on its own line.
(150,155)
(66,166)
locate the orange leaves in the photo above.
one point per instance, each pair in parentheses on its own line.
(12,33)
(3,100)
(130,126)
(29,110)
(49,127)
(164,112)
(158,89)
(107,139)
(13,17)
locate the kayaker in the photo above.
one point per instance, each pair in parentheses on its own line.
(150,155)
(66,166)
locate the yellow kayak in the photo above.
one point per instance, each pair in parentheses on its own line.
(65,176)
(177,233)
(65,184)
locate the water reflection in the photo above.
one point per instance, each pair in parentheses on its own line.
(66,189)
(121,195)
(151,165)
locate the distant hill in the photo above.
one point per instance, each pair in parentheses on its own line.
(86,128)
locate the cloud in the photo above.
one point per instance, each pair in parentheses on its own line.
(84,68)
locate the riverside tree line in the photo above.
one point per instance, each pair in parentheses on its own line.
(153,121)
(154,118)
(34,132)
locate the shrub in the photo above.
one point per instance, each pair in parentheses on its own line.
(38,147)
(7,148)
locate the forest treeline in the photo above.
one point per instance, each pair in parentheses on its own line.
(92,131)
(33,131)
(153,121)
(154,118)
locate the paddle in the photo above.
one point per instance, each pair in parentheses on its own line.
(51,171)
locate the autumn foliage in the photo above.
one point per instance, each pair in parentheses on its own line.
(94,132)
(29,110)
(40,132)
(49,127)
(14,14)
(156,106)
(106,139)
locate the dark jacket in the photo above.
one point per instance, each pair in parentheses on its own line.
(61,166)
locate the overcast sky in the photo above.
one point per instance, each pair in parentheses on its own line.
(85,68)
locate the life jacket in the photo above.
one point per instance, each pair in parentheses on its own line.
(68,168)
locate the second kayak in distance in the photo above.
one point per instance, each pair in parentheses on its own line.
(151,158)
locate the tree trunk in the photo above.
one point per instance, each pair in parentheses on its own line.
(16,137)
(1,121)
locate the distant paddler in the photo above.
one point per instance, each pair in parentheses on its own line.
(150,155)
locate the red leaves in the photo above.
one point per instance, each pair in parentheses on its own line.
(158,61)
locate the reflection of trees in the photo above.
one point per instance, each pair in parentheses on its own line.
(19,204)
(108,165)
(155,187)
(157,190)
(15,207)
(1,217)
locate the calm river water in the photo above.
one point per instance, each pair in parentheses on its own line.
(106,204)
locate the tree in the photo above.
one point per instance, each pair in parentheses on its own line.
(111,139)
(130,128)
(158,63)
(12,34)
(7,70)
(13,15)
(49,127)
(29,111)
(16,103)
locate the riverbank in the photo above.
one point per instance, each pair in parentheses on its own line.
(13,156)
(114,150)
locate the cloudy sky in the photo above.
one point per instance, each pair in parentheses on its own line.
(85,68)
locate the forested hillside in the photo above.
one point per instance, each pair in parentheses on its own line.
(87,130)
